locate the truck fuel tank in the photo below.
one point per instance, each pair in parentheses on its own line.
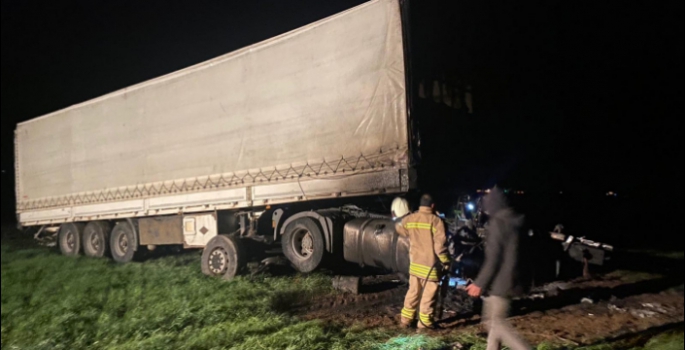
(375,243)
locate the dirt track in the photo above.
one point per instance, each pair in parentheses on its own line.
(592,323)
(622,304)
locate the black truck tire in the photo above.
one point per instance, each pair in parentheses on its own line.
(123,243)
(303,245)
(96,239)
(223,257)
(69,239)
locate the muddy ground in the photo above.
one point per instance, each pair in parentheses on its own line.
(611,305)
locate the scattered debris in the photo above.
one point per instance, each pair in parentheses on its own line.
(615,308)
(643,313)
(347,284)
(554,287)
(648,310)
(256,268)
(47,236)
(457,346)
(566,341)
(657,307)
(381,302)
(553,293)
(537,296)
(277,260)
(459,282)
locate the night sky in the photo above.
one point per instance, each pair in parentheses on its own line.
(582,96)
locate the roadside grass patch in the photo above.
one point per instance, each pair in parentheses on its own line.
(54,302)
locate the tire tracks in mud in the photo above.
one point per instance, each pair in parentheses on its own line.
(568,323)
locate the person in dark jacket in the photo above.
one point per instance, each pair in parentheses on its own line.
(498,279)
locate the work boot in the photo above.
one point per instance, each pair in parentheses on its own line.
(427,329)
(405,323)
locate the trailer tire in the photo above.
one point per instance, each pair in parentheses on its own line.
(69,239)
(303,244)
(96,239)
(123,243)
(223,257)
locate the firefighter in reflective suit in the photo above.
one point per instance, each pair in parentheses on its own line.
(429,258)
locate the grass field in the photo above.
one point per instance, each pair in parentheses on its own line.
(54,302)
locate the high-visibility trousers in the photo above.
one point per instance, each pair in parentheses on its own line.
(416,303)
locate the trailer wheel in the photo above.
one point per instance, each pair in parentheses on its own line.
(96,239)
(70,239)
(123,244)
(303,245)
(223,257)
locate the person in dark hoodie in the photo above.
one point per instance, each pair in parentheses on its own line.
(498,280)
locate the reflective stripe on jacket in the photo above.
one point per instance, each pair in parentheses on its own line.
(428,243)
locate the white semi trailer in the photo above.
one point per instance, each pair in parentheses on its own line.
(200,157)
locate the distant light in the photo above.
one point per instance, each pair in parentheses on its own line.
(479,191)
(488,191)
(561,192)
(471,207)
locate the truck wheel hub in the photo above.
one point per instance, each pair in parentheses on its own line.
(218,261)
(95,242)
(71,240)
(307,245)
(123,244)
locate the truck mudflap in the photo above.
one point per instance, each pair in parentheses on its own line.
(375,243)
